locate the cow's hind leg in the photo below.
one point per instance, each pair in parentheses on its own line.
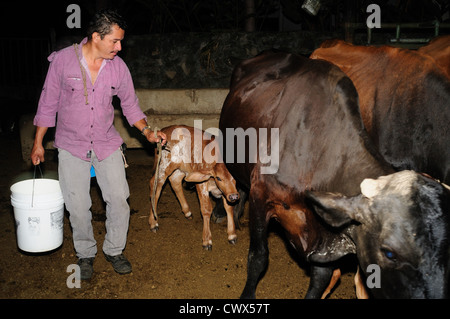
(320,278)
(258,255)
(176,181)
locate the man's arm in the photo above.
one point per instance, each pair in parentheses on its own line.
(130,106)
(47,106)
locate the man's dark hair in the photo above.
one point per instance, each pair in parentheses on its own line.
(103,21)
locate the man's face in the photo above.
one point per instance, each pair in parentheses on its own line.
(111,43)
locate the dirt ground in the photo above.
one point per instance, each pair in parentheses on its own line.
(169,264)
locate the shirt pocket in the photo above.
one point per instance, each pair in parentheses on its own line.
(108,92)
(72,105)
(74,93)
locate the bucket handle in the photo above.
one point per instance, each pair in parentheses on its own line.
(34,177)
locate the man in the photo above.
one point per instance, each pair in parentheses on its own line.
(76,98)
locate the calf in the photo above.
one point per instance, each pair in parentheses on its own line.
(194,156)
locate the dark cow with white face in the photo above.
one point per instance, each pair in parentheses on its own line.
(404,100)
(401,224)
(329,167)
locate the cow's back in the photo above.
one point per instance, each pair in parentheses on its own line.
(439,50)
(404,100)
(314,105)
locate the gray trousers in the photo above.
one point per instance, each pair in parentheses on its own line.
(75,179)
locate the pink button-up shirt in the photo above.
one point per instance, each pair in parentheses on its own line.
(80,127)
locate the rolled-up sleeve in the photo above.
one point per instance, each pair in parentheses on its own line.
(128,99)
(49,99)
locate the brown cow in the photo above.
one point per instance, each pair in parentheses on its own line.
(404,100)
(439,50)
(194,156)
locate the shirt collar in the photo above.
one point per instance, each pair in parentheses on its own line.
(83,60)
(80,52)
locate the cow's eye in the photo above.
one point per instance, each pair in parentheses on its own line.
(389,254)
(218,178)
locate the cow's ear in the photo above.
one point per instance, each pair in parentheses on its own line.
(197,177)
(335,209)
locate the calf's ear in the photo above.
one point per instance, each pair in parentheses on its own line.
(335,209)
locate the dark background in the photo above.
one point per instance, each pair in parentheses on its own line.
(37,18)
(197,40)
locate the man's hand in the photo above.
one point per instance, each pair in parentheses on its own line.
(37,154)
(160,137)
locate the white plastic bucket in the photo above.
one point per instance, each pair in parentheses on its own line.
(39,214)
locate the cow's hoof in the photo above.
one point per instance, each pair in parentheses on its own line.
(207,247)
(233,241)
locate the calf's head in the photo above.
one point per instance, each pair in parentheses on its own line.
(400,223)
(222,178)
(225,182)
(211,166)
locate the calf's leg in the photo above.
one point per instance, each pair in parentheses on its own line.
(334,278)
(361,291)
(206,209)
(219,211)
(231,230)
(176,181)
(151,220)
